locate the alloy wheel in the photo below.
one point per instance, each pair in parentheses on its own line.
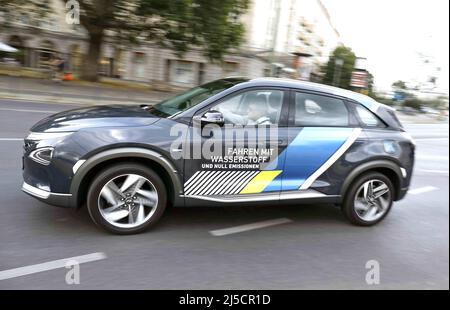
(128,201)
(372,200)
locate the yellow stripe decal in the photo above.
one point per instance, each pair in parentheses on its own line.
(260,181)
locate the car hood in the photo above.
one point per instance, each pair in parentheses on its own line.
(95,117)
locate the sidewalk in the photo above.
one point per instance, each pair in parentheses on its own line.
(114,91)
(109,91)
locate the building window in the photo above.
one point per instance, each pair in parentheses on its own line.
(182,72)
(139,61)
(230,68)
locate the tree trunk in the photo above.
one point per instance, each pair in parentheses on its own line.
(91,65)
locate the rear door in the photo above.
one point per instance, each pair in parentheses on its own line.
(321,129)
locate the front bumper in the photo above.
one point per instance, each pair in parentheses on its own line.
(56,199)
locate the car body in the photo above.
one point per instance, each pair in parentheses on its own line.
(331,145)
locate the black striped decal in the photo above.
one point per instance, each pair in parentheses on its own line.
(206,183)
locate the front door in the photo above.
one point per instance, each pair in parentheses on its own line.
(241,159)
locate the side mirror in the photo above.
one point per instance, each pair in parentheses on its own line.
(212,117)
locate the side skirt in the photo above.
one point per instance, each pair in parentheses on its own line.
(290,197)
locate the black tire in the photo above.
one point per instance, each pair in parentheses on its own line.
(112,172)
(348,205)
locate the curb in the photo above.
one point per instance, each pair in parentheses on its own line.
(72,100)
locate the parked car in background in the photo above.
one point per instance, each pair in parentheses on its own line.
(430,111)
(408,110)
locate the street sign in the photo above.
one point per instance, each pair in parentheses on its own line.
(359,79)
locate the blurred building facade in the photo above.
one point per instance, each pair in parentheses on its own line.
(276,31)
(296,34)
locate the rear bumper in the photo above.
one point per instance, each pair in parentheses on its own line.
(55,199)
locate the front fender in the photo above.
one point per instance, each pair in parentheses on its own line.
(83,168)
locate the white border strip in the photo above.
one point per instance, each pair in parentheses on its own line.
(247,227)
(55,264)
(344,147)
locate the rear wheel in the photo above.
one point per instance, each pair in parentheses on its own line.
(369,199)
(126,198)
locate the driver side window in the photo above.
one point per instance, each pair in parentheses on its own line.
(255,107)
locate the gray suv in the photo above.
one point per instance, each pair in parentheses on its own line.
(291,142)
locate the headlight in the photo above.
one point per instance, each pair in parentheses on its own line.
(42,155)
(40,145)
(46,135)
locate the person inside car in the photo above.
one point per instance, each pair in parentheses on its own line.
(257,113)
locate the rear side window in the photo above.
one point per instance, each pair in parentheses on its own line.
(317,110)
(367,118)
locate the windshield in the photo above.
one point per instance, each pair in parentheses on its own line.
(191,97)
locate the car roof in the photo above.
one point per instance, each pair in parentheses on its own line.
(303,85)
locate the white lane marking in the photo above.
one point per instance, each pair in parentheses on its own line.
(422,190)
(433,139)
(432,157)
(55,264)
(25,110)
(11,139)
(433,171)
(246,227)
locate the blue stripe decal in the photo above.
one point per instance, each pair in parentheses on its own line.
(310,149)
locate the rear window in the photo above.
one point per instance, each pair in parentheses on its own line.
(317,110)
(395,118)
(367,117)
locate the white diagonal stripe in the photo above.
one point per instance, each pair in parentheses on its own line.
(220,178)
(225,183)
(192,178)
(11,139)
(247,227)
(202,182)
(239,182)
(422,190)
(55,264)
(239,188)
(201,175)
(344,147)
(231,183)
(211,183)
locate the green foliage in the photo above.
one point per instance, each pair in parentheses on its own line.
(416,103)
(210,25)
(347,55)
(10,10)
(399,85)
(413,103)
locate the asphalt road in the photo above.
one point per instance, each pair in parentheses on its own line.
(310,247)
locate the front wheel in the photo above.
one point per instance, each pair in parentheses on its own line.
(369,199)
(126,198)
